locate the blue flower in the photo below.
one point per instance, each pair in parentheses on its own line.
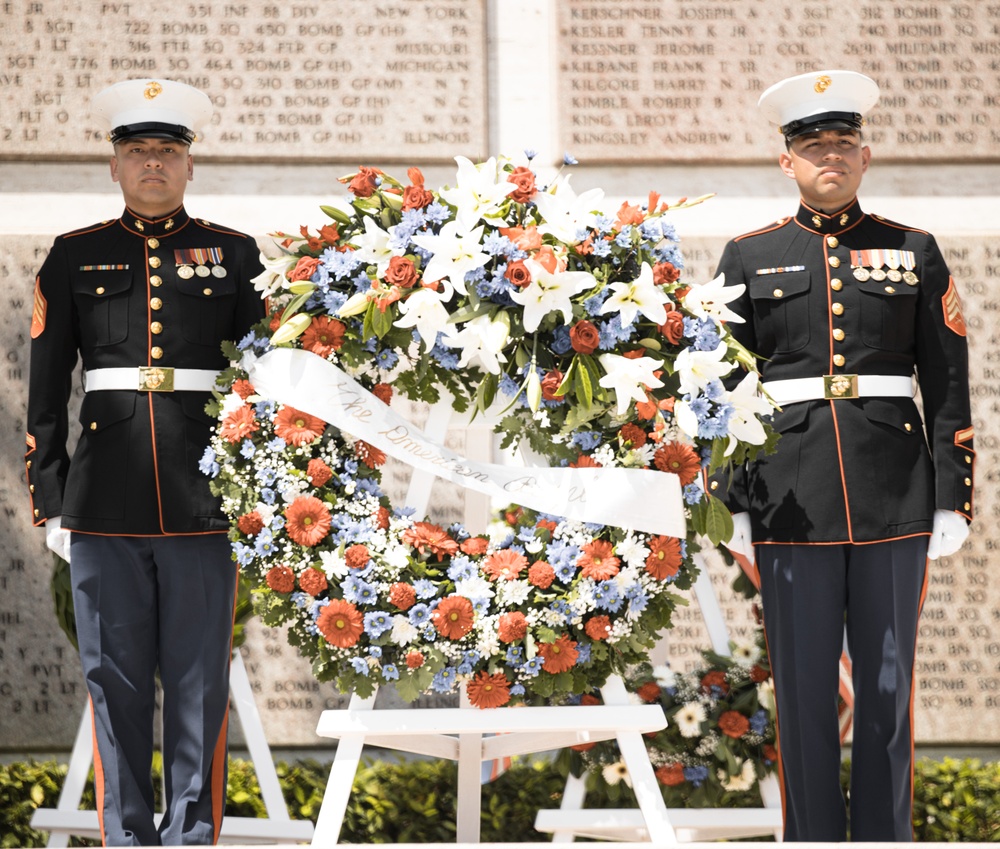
(377,623)
(586,440)
(759,722)
(424,588)
(360,665)
(594,303)
(461,568)
(436,213)
(340,264)
(207,464)
(693,494)
(602,248)
(569,159)
(561,343)
(375,651)
(265,409)
(517,689)
(607,596)
(714,426)
(248,449)
(358,591)
(530,154)
(561,607)
(264,544)
(386,358)
(446,357)
(533,666)
(333,301)
(696,774)
(276,444)
(266,475)
(565,572)
(244,553)
(515,655)
(444,681)
(583,653)
(624,238)
(637,599)
(419,614)
(390,673)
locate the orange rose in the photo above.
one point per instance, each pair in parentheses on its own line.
(629,214)
(364,183)
(524,179)
(382,391)
(250,523)
(665,272)
(402,596)
(733,724)
(671,775)
(304,268)
(401,272)
(526,238)
(584,337)
(550,383)
(281,579)
(598,627)
(318,471)
(512,627)
(649,692)
(673,328)
(357,556)
(312,581)
(416,197)
(414,660)
(541,574)
(517,273)
(474,546)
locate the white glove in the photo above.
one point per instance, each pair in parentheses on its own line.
(57,537)
(740,541)
(950,531)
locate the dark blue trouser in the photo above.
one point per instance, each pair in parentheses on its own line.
(146,605)
(809,593)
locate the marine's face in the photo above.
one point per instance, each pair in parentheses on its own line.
(827,167)
(153,174)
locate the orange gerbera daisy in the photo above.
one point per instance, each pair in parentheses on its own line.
(541,574)
(664,557)
(585,462)
(296,427)
(559,656)
(312,581)
(506,564)
(281,579)
(239,424)
(432,537)
(598,627)
(371,456)
(453,617)
(488,691)
(598,560)
(512,626)
(340,622)
(680,459)
(323,335)
(318,471)
(307,520)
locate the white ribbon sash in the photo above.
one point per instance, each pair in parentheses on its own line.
(640,499)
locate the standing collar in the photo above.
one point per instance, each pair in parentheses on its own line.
(158,227)
(821,222)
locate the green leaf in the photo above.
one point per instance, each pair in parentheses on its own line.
(718,521)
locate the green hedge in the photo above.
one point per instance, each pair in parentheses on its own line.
(414,801)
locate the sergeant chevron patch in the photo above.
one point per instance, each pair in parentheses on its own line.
(38,311)
(952,306)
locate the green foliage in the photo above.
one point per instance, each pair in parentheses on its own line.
(415,800)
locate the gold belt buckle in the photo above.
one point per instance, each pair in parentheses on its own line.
(837,387)
(156,379)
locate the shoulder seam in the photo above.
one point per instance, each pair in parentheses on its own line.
(776,226)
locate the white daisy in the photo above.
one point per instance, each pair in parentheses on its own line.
(689,719)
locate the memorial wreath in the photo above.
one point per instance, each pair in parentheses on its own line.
(575,334)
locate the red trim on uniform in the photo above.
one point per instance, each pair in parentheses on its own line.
(220,757)
(777,733)
(843,476)
(156,461)
(961,437)
(846,541)
(964,436)
(913,684)
(150,536)
(98,774)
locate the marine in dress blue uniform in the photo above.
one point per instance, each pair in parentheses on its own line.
(848,313)
(144,301)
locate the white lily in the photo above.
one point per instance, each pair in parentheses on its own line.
(482,341)
(565,213)
(640,295)
(699,368)
(455,253)
(424,310)
(274,275)
(480,191)
(686,418)
(628,377)
(550,292)
(748,403)
(708,300)
(373,246)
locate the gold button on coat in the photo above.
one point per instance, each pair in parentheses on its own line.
(838,359)
(838,309)
(156,327)
(206,291)
(31,487)
(838,334)
(968,481)
(99,290)
(156,303)
(890,289)
(93,425)
(154,243)
(832,241)
(154,261)
(156,353)
(908,427)
(836,285)
(778,293)
(835,261)
(968,506)
(156,280)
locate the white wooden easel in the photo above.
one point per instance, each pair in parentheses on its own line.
(65,819)
(692,824)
